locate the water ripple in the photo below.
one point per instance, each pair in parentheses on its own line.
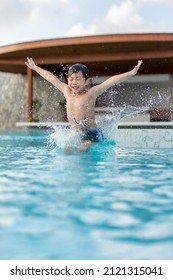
(108,204)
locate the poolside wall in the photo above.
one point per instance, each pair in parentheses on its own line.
(145,136)
(152,91)
(48,102)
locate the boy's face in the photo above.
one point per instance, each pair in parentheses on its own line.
(77,83)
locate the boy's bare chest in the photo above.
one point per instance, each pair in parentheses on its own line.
(79,103)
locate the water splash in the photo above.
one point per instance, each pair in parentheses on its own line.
(62,136)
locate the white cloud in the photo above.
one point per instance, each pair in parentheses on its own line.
(44,10)
(121,18)
(124,15)
(31,11)
(12,12)
(79,29)
(27,20)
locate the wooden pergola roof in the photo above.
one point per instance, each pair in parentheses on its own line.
(104,55)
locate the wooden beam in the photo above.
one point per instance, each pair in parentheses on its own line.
(93,57)
(30,94)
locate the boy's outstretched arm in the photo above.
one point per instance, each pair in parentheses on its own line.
(97,90)
(46,75)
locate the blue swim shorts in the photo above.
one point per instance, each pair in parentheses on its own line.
(92,135)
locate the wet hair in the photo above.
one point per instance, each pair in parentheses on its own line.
(75,68)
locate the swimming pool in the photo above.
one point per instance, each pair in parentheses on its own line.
(110,203)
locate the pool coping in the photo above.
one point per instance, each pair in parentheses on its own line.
(122,125)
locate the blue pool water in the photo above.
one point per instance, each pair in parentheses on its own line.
(110,203)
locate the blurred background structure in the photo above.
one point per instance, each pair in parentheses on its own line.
(24,96)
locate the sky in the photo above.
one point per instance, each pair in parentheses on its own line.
(32,20)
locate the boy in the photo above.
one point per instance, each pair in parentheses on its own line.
(80,101)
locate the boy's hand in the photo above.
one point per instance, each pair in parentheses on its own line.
(30,63)
(136,68)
